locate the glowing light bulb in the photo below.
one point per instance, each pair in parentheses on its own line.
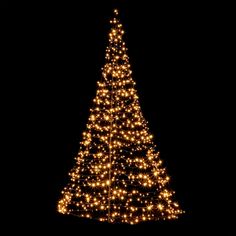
(160,207)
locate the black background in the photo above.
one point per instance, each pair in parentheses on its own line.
(57,50)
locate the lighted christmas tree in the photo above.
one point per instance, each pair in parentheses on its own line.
(118,175)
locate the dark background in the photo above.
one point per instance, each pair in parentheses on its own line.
(57,50)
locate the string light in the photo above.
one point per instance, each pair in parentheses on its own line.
(118,175)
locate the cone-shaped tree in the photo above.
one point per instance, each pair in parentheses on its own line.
(118,176)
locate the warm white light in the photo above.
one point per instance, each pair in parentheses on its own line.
(118,176)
